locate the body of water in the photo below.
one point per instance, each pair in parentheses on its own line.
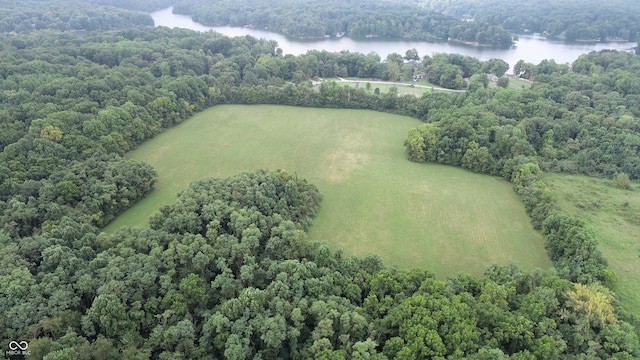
(530,48)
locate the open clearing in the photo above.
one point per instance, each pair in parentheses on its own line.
(614,215)
(401,88)
(436,217)
(404,89)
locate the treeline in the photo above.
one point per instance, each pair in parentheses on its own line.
(141,5)
(317,19)
(67,15)
(572,20)
(569,241)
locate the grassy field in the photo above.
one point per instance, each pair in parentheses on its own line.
(614,215)
(421,81)
(384,88)
(437,217)
(402,88)
(518,84)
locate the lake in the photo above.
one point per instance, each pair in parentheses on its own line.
(530,48)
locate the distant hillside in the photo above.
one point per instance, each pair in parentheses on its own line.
(366,18)
(572,19)
(70,16)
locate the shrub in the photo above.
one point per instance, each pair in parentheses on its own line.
(622,181)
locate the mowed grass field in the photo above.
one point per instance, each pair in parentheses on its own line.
(436,217)
(384,88)
(614,215)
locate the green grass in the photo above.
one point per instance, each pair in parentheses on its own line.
(614,215)
(519,83)
(421,81)
(384,88)
(436,217)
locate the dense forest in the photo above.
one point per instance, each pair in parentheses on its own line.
(36,15)
(226,271)
(569,19)
(358,19)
